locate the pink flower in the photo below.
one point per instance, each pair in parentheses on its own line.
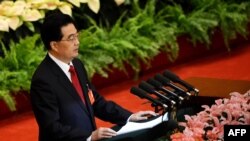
(209,124)
(182,137)
(177,136)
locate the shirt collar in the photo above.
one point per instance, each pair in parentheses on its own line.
(61,64)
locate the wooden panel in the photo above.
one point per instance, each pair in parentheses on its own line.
(214,87)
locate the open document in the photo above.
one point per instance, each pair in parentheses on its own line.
(135,126)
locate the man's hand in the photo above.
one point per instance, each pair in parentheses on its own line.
(101,133)
(142,115)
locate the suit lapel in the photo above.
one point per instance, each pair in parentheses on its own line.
(65,82)
(83,81)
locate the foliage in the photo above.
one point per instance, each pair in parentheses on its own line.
(142,31)
(17,67)
(93,50)
(197,24)
(138,38)
(232,20)
(230,16)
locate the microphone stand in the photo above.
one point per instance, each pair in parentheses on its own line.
(159,109)
(172,110)
(172,114)
(196,92)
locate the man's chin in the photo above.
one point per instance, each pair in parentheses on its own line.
(75,55)
(76,52)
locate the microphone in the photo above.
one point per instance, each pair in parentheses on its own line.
(158,85)
(177,79)
(167,82)
(142,94)
(150,89)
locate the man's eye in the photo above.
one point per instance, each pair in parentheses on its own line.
(71,38)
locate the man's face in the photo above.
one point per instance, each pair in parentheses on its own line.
(67,48)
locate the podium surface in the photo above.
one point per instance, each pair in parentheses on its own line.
(221,88)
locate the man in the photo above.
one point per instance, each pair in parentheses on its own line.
(65,112)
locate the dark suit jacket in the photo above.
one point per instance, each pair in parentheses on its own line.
(58,109)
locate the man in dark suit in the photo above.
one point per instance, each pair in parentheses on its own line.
(65,112)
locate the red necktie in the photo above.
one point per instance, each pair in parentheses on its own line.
(75,82)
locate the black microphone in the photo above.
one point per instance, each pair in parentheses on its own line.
(177,79)
(159,85)
(165,81)
(142,94)
(150,89)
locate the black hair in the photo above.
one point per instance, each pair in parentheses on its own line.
(52,25)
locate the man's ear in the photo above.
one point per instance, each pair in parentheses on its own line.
(53,45)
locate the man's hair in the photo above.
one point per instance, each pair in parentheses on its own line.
(52,25)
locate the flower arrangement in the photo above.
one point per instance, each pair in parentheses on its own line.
(13,14)
(209,124)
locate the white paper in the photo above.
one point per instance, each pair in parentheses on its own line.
(134,126)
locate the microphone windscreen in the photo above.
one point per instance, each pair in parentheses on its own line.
(175,78)
(162,79)
(147,87)
(171,76)
(142,94)
(154,83)
(139,92)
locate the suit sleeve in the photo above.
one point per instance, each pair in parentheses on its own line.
(110,111)
(107,110)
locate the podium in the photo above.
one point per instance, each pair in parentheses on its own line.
(212,89)
(218,88)
(149,134)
